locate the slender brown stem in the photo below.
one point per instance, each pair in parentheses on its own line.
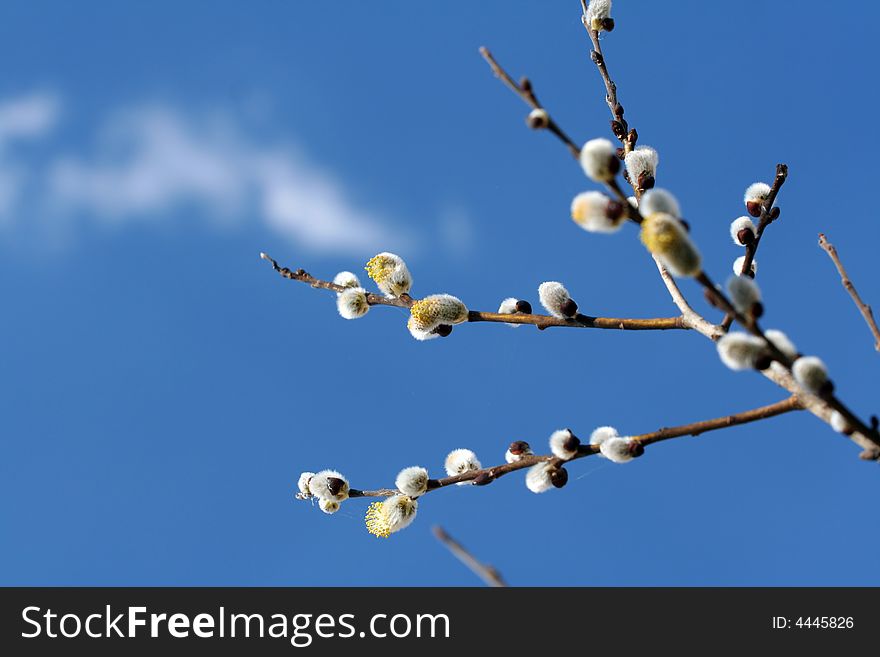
(489,574)
(541,321)
(864,308)
(524,90)
(488,475)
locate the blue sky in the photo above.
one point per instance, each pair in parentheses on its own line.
(161,389)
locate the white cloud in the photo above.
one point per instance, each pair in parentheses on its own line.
(153,159)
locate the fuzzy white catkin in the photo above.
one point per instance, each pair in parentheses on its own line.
(346,279)
(601,434)
(319,486)
(420,335)
(303,485)
(510,457)
(553,297)
(740,351)
(328,506)
(352,303)
(839,423)
(738,266)
(616,450)
(599,9)
(563,444)
(756,192)
(412,481)
(810,372)
(782,342)
(597,213)
(508,307)
(538,478)
(390,273)
(642,161)
(659,200)
(744,293)
(738,225)
(459,461)
(598,158)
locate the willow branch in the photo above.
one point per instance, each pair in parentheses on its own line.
(524,90)
(769,214)
(489,574)
(541,321)
(864,308)
(486,476)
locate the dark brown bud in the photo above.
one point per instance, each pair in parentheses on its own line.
(632,137)
(754,208)
(618,111)
(746,236)
(685,225)
(482,479)
(523,307)
(827,388)
(646,182)
(626,176)
(559,477)
(608,24)
(875,422)
(569,308)
(614,166)
(538,119)
(571,443)
(525,84)
(596,57)
(518,447)
(443,330)
(774,214)
(763,362)
(335,485)
(636,449)
(620,153)
(618,129)
(615,210)
(757,310)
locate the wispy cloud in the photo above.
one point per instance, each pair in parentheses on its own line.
(148,161)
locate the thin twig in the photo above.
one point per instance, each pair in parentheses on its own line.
(864,308)
(541,321)
(489,574)
(488,475)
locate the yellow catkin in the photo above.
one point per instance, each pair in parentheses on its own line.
(377,521)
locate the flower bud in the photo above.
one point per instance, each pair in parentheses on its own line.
(390,273)
(346,279)
(738,266)
(812,375)
(329,485)
(352,303)
(459,461)
(601,434)
(512,306)
(328,506)
(395,513)
(754,198)
(538,119)
(641,164)
(412,481)
(599,15)
(564,444)
(745,295)
(665,237)
(621,450)
(432,311)
(539,477)
(303,485)
(741,351)
(556,300)
(656,201)
(599,160)
(743,231)
(517,450)
(596,213)
(559,477)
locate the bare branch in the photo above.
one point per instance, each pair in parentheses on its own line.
(541,321)
(864,308)
(485,572)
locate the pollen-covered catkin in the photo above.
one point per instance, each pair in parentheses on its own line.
(564,444)
(597,213)
(393,514)
(599,160)
(352,303)
(390,273)
(810,372)
(641,165)
(556,300)
(432,311)
(412,481)
(665,237)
